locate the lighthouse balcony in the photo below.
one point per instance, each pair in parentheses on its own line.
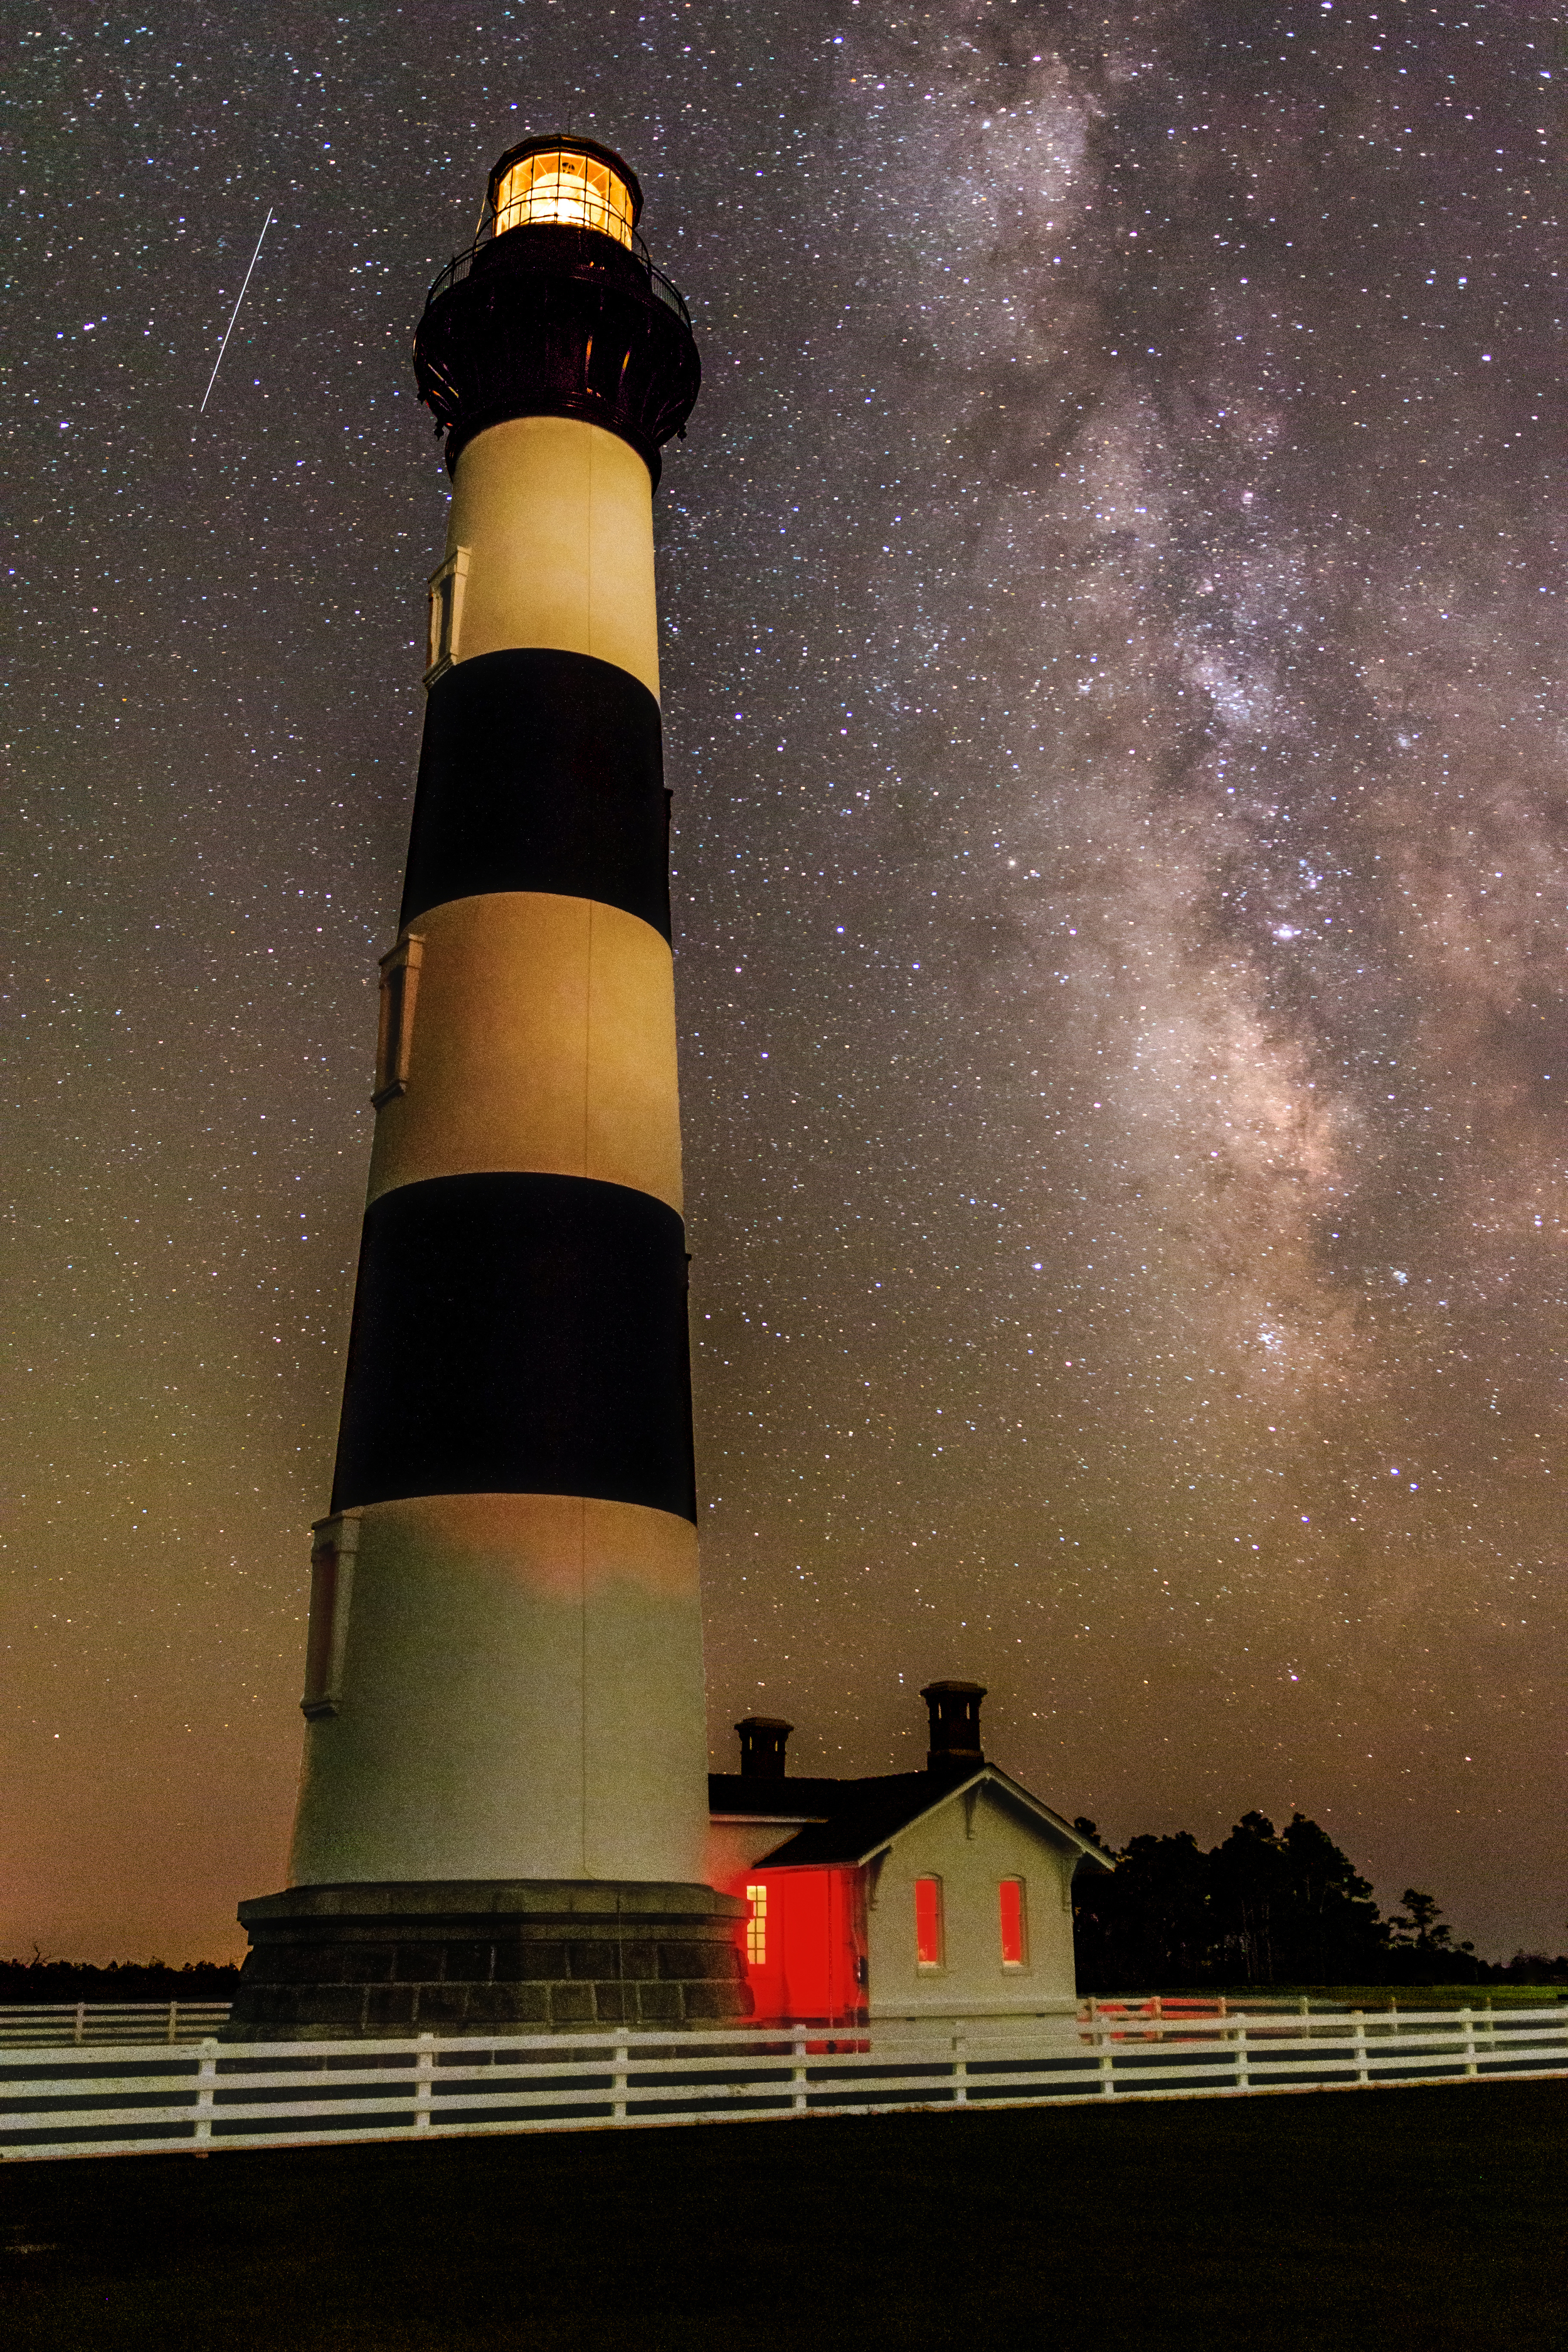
(587,249)
(557,320)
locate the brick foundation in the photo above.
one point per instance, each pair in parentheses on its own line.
(476,1957)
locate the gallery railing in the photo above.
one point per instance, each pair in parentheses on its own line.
(663,288)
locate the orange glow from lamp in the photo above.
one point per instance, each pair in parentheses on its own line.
(565,184)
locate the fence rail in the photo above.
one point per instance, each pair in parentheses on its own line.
(126,2099)
(42,2025)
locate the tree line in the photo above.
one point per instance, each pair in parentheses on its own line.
(58,1980)
(1266,1906)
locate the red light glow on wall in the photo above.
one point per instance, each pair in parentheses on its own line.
(927,1922)
(805,1947)
(1010,1895)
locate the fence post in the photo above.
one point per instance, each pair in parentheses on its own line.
(1469,2016)
(960,2070)
(622,2062)
(1243,2079)
(1358,2020)
(174,2019)
(423,2081)
(81,2034)
(1107,2059)
(206,2078)
(797,2074)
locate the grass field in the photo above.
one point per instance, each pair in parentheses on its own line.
(1428,2218)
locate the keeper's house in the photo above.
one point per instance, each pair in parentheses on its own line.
(943,1893)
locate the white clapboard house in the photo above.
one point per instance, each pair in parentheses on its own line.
(943,1893)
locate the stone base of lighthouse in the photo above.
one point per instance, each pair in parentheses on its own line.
(473,1956)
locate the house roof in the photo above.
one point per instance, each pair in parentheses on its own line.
(735,1797)
(853,1821)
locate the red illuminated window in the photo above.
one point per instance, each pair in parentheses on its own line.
(1010,1895)
(928,1923)
(757,1928)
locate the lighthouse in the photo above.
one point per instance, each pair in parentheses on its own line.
(504,1798)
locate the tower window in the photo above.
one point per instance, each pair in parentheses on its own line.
(928,1923)
(331,1590)
(399,988)
(445,614)
(757,1928)
(1015,1923)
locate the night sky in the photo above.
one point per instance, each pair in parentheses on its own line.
(1113,633)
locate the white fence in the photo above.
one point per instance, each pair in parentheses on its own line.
(44,2025)
(199,2098)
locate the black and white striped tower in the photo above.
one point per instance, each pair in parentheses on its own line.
(503,1801)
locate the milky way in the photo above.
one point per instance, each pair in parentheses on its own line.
(1114,626)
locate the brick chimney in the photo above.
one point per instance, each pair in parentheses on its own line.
(954,1711)
(763,1739)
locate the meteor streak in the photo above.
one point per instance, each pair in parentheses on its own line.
(229,329)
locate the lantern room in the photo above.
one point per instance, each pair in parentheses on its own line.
(562,182)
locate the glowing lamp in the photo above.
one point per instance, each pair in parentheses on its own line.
(564,182)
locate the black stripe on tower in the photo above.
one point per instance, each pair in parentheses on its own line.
(518,1334)
(540,770)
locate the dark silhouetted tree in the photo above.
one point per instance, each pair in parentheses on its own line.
(1147,1923)
(1336,1934)
(1264,1907)
(1250,1896)
(1421,1943)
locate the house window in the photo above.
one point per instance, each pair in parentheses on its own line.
(757,1928)
(395,1033)
(445,614)
(928,1923)
(1015,1923)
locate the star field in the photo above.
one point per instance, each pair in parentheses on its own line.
(1112,599)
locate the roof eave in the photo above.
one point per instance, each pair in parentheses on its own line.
(767,1821)
(1086,1850)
